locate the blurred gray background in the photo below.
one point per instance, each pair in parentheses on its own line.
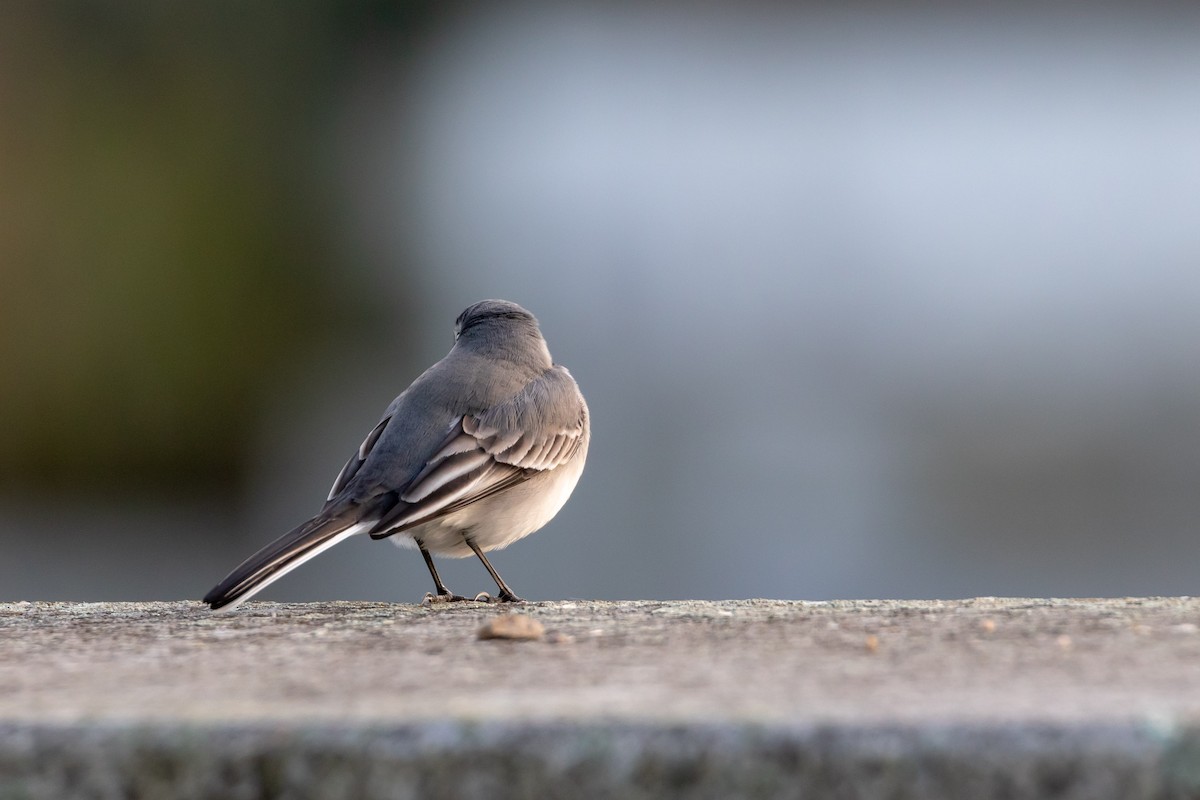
(868,300)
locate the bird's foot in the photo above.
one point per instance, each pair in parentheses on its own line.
(431,599)
(503,597)
(449,597)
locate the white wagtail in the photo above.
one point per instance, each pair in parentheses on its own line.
(482,449)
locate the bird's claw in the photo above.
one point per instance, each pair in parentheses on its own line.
(483,597)
(432,599)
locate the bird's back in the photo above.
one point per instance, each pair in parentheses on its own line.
(464,382)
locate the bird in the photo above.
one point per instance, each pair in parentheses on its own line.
(482,449)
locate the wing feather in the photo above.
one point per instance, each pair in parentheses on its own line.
(485,453)
(444,472)
(358,459)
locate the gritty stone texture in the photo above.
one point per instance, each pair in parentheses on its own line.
(977,698)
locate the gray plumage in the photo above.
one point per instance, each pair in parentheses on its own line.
(482,449)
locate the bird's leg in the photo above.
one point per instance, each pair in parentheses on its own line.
(506,595)
(443,594)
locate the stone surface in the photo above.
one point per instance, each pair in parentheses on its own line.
(979,698)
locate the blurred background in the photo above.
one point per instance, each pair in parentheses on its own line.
(868,299)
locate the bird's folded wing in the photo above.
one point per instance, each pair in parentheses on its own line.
(358,459)
(485,453)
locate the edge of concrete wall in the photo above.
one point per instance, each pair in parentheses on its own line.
(602,760)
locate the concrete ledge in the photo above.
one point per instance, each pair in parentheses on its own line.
(567,760)
(979,698)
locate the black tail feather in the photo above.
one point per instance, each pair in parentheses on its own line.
(277,558)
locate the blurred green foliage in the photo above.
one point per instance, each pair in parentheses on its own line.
(161,248)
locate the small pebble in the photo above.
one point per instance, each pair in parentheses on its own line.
(988,625)
(512,626)
(872,643)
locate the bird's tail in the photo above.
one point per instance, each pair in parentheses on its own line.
(279,558)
